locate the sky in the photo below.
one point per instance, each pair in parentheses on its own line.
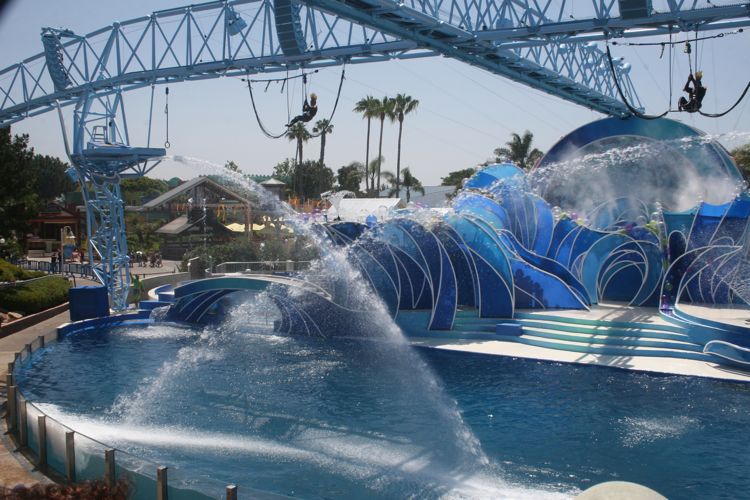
(463,115)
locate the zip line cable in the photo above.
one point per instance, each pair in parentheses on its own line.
(336,103)
(656,44)
(737,102)
(688,51)
(271,135)
(622,94)
(257,117)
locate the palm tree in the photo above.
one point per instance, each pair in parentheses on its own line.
(402,106)
(298,132)
(373,167)
(409,182)
(368,106)
(323,127)
(384,108)
(519,151)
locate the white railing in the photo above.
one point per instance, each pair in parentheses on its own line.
(262,267)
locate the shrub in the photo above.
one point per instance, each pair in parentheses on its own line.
(9,272)
(36,296)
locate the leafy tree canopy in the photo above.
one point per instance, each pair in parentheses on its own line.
(29,181)
(456,178)
(408,183)
(741,157)
(135,189)
(350,176)
(308,180)
(519,151)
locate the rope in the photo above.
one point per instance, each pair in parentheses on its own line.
(719,115)
(622,94)
(336,103)
(257,116)
(304,86)
(713,115)
(166,112)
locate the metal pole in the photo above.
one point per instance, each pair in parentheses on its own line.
(27,348)
(109,467)
(161,483)
(231,492)
(9,380)
(23,430)
(12,402)
(41,341)
(41,423)
(70,456)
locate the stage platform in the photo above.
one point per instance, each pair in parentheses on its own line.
(601,336)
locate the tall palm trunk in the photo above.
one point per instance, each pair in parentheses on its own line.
(380,149)
(398,160)
(322,147)
(367,157)
(299,167)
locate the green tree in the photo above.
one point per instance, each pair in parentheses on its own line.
(141,234)
(284,171)
(298,132)
(51,181)
(408,181)
(519,151)
(350,176)
(456,178)
(384,109)
(313,179)
(368,106)
(135,189)
(323,127)
(18,197)
(402,106)
(741,157)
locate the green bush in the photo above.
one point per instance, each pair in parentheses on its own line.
(9,272)
(36,296)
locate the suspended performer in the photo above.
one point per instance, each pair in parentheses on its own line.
(308,111)
(696,93)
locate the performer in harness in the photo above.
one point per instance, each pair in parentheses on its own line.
(308,111)
(696,93)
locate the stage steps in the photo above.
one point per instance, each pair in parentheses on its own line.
(587,336)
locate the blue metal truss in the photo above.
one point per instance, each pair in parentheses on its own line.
(548,45)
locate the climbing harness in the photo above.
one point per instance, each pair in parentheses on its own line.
(166,112)
(284,84)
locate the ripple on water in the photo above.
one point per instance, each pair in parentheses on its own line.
(638,430)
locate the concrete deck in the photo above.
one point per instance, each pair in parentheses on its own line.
(671,366)
(608,312)
(729,315)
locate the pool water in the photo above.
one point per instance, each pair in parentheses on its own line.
(351,418)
